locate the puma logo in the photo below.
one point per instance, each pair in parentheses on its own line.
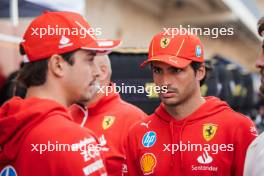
(145,124)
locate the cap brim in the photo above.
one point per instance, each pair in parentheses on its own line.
(168,59)
(103,46)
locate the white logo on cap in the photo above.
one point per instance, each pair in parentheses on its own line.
(105,43)
(174,61)
(64,42)
(25,59)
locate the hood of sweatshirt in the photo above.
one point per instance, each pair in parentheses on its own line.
(18,117)
(211,107)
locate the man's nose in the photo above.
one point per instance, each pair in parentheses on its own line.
(260,61)
(167,80)
(96,71)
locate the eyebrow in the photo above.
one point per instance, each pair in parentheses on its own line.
(152,66)
(90,53)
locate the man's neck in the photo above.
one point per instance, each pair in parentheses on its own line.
(46,93)
(183,110)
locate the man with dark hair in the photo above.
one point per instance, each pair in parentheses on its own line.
(109,118)
(254,164)
(37,134)
(188,134)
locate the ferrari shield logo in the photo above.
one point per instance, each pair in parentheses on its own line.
(164,42)
(209,131)
(108,121)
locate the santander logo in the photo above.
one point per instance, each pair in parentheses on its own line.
(205,158)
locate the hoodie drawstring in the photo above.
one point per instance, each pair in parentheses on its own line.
(181,153)
(85,114)
(172,141)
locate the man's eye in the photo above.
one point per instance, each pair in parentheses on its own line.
(156,70)
(176,70)
(89,59)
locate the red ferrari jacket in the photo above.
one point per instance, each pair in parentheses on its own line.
(110,119)
(212,141)
(39,138)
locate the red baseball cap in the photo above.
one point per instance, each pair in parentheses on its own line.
(61,32)
(176,50)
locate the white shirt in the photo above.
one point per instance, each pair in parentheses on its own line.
(254,164)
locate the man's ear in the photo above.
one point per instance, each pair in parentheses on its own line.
(57,65)
(200,73)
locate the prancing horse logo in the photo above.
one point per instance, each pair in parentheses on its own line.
(164,42)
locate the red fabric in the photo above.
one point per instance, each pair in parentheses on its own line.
(124,115)
(149,145)
(24,123)
(41,39)
(178,50)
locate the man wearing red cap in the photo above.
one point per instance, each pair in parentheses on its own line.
(37,134)
(188,134)
(109,117)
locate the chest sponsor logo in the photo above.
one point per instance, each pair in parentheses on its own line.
(8,171)
(94,167)
(145,124)
(205,158)
(209,131)
(108,122)
(149,139)
(148,163)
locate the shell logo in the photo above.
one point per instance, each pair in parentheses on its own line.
(148,163)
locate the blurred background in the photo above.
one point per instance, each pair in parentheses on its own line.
(230,59)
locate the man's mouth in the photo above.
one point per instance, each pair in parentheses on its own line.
(168,94)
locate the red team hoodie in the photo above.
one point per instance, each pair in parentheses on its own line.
(26,124)
(110,119)
(216,139)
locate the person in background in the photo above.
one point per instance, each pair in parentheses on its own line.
(254,164)
(109,117)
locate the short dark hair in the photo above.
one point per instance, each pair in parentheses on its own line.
(261,26)
(9,89)
(35,73)
(195,66)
